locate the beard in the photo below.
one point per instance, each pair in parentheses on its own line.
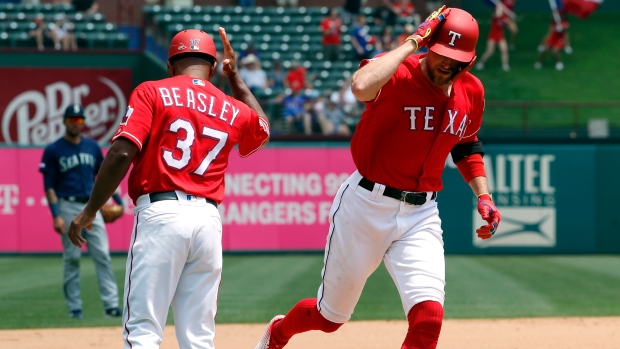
(438,79)
(73,134)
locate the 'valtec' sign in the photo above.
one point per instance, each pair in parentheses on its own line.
(33,100)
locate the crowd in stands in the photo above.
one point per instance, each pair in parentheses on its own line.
(58,25)
(348,34)
(298,101)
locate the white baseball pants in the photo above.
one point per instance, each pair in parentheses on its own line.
(367,227)
(175,258)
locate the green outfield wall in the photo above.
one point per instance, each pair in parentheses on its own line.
(553,199)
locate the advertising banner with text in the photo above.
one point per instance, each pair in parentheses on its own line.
(33,101)
(278,199)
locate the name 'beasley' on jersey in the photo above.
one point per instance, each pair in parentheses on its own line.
(195,126)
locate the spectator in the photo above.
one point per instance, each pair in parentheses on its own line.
(86,6)
(346,100)
(62,34)
(290,3)
(250,49)
(350,10)
(556,40)
(333,120)
(309,123)
(38,31)
(386,41)
(361,41)
(276,78)
(496,37)
(331,29)
(252,74)
(404,8)
(296,77)
(385,14)
(293,105)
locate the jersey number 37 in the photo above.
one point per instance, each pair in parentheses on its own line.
(185,145)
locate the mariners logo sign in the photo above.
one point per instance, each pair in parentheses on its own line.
(524,193)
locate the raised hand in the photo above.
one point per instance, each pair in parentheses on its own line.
(425,31)
(229,64)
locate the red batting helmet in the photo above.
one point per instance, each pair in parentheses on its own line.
(456,36)
(191,41)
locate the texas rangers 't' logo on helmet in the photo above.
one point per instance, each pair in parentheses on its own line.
(193,44)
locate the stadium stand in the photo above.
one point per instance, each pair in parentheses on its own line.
(91,30)
(280,33)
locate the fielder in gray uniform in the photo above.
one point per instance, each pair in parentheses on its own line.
(69,166)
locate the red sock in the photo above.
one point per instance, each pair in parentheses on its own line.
(424,326)
(303,317)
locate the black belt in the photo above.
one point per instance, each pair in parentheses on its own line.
(171,195)
(80,199)
(408,197)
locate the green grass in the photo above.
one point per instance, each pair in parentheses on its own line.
(590,74)
(254,288)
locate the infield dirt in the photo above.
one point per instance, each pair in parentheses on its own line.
(534,333)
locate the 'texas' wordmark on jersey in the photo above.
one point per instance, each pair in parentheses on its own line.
(69,162)
(174,97)
(423,118)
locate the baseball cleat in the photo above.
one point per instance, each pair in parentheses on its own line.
(266,342)
(113,312)
(76,314)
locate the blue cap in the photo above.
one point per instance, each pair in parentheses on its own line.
(74,110)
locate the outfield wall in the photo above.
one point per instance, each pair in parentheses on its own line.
(553,199)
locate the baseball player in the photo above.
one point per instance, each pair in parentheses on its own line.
(499,20)
(555,41)
(178,133)
(419,109)
(69,166)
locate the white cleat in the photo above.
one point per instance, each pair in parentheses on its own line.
(506,67)
(537,65)
(559,66)
(264,342)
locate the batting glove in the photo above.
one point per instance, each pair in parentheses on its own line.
(425,31)
(489,213)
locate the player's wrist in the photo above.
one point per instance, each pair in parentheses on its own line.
(413,41)
(54,209)
(485,196)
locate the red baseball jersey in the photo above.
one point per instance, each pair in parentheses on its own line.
(408,130)
(185,129)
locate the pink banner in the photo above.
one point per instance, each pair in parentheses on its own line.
(276,199)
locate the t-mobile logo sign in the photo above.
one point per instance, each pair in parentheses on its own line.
(9,197)
(454,36)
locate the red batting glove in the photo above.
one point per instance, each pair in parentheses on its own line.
(425,31)
(489,213)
